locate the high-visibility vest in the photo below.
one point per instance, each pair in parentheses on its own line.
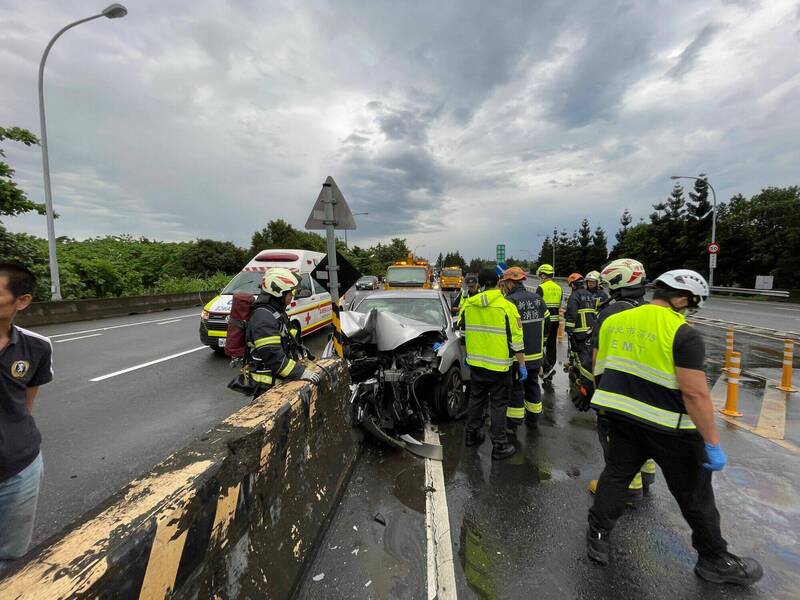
(635,360)
(534,315)
(492,331)
(552,298)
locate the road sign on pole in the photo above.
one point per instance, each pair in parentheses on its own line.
(501,252)
(712,261)
(713,248)
(331,211)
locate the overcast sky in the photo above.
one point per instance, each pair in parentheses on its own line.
(457,125)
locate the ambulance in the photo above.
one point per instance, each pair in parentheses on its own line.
(310,309)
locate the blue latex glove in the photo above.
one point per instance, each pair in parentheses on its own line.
(466,364)
(523,374)
(716,457)
(437,346)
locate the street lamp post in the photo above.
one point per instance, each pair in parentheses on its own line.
(555,237)
(713,221)
(113,11)
(414,251)
(345,231)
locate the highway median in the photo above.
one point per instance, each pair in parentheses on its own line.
(237,513)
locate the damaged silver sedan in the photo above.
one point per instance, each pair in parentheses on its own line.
(406,363)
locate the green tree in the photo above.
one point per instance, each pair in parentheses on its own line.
(13,200)
(439,262)
(206,257)
(618,251)
(598,252)
(454,259)
(280,234)
(584,247)
(546,253)
(698,226)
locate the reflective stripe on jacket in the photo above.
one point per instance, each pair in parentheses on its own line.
(493,330)
(581,313)
(534,314)
(637,366)
(552,294)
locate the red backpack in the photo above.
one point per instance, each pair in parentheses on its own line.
(236,342)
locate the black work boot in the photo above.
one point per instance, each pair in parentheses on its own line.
(474,438)
(503,450)
(729,568)
(597,546)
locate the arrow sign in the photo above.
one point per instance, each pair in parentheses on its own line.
(342,215)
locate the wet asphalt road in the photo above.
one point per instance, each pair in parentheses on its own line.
(98,436)
(517,526)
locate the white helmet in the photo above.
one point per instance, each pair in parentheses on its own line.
(277,281)
(592,276)
(686,279)
(622,273)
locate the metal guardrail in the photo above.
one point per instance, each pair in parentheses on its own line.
(750,292)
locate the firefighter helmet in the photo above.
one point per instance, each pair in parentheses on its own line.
(277,281)
(514,274)
(686,280)
(545,269)
(574,277)
(622,273)
(593,276)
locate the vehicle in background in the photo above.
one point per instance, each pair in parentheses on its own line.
(409,273)
(310,310)
(368,282)
(451,278)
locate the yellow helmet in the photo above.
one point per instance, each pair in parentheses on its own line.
(277,281)
(545,269)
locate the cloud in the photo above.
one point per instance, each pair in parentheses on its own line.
(690,54)
(456,125)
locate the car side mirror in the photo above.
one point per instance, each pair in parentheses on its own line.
(304,293)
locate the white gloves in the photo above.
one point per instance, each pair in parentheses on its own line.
(311,376)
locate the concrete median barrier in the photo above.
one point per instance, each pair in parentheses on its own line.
(67,311)
(234,515)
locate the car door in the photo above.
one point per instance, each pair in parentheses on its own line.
(322,300)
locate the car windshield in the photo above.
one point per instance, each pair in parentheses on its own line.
(412,275)
(366,280)
(246,282)
(451,273)
(427,310)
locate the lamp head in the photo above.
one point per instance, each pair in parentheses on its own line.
(115,11)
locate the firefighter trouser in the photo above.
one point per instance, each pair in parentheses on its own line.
(550,355)
(492,388)
(681,458)
(647,473)
(526,397)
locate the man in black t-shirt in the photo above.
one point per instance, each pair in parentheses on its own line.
(654,391)
(25,364)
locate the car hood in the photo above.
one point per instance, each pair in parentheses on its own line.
(384,329)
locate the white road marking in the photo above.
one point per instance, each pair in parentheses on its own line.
(82,337)
(147,364)
(441,574)
(116,327)
(168,322)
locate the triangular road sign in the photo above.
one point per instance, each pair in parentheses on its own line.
(341,212)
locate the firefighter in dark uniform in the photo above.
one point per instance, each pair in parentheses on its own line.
(526,397)
(655,393)
(273,345)
(594,284)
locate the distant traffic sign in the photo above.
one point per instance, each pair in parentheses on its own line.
(713,248)
(501,252)
(712,261)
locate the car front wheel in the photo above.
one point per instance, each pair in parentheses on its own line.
(451,399)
